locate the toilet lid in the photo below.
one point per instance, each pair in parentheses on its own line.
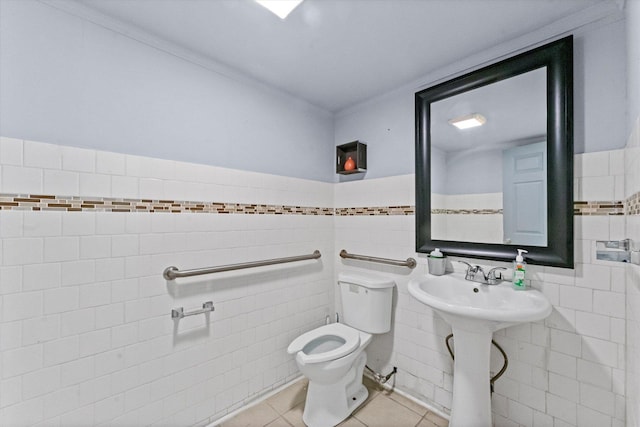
(344,339)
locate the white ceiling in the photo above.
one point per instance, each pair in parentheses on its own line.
(337,53)
(515,109)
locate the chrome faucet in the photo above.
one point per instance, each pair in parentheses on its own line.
(475,273)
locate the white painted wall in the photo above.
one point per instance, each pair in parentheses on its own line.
(632,9)
(68,81)
(386,123)
(65,80)
(473,172)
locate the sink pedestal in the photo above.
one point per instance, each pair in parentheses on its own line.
(474,313)
(471,405)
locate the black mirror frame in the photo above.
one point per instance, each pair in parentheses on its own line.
(558,58)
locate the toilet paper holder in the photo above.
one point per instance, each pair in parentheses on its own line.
(178,313)
(617,250)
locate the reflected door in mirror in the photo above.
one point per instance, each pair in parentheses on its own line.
(524,172)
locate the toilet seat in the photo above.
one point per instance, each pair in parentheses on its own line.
(340,339)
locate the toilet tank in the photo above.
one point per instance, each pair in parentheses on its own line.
(366,301)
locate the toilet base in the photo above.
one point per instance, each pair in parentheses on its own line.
(329,404)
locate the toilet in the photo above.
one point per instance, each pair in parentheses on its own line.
(332,356)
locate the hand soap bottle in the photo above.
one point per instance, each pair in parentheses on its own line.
(519,267)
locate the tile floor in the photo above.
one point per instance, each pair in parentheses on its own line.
(381,409)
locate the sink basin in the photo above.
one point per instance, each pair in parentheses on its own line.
(474,312)
(478,306)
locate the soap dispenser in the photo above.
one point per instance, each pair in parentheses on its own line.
(519,267)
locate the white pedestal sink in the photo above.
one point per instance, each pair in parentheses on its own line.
(474,312)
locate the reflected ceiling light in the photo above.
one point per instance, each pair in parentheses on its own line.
(282,8)
(469,121)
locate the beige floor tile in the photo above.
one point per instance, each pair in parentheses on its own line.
(279,422)
(294,416)
(256,416)
(418,409)
(426,423)
(351,422)
(436,419)
(384,412)
(289,397)
(381,409)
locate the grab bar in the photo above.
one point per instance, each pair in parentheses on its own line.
(410,262)
(172,272)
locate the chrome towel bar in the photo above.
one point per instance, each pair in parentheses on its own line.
(178,313)
(172,272)
(410,262)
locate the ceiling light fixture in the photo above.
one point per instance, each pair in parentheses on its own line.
(282,8)
(469,121)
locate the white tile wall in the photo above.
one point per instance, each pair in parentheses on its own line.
(469,228)
(600,175)
(565,371)
(469,201)
(476,228)
(632,181)
(75,171)
(83,308)
(86,336)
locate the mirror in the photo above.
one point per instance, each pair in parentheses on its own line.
(484,209)
(507,182)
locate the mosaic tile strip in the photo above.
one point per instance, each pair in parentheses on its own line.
(466,211)
(609,207)
(581,208)
(633,204)
(45,202)
(379,210)
(40,202)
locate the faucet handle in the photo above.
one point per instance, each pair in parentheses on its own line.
(471,270)
(493,275)
(469,266)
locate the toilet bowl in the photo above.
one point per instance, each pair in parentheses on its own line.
(332,356)
(326,354)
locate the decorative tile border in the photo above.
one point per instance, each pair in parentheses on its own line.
(466,211)
(633,204)
(379,210)
(39,202)
(581,208)
(44,202)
